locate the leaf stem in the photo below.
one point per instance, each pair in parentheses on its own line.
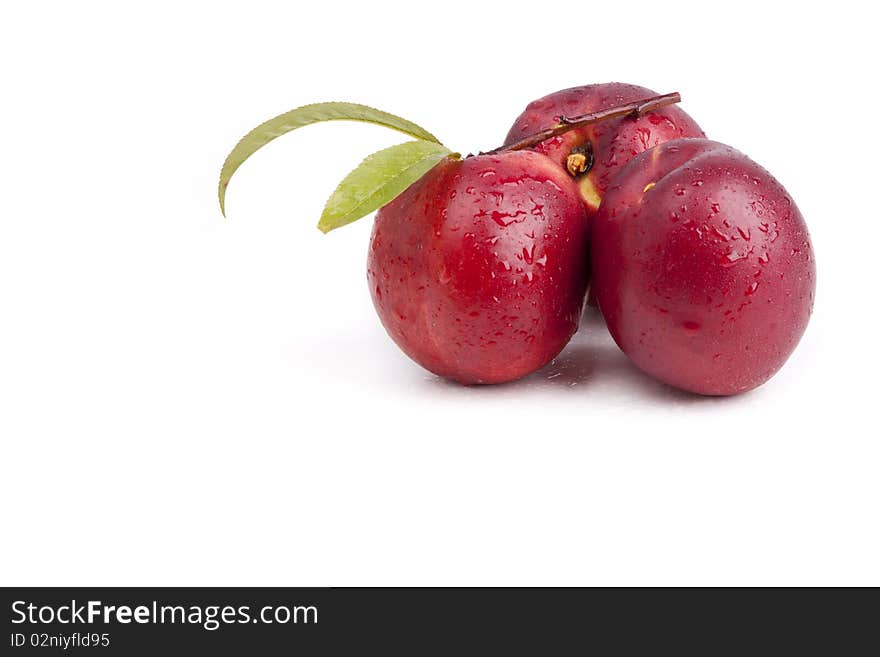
(634,109)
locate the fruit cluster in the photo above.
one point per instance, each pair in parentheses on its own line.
(479,267)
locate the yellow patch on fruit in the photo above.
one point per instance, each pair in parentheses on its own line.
(647,187)
(588,192)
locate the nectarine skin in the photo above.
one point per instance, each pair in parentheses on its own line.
(702,267)
(614,142)
(478,270)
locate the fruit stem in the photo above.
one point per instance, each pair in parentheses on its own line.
(634,109)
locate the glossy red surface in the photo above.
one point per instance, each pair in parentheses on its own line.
(615,141)
(702,267)
(478,270)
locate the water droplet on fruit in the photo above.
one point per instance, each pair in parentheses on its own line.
(719,234)
(733,257)
(679,191)
(542,260)
(691,326)
(758,208)
(504,219)
(716,208)
(529,255)
(752,288)
(764,258)
(746,234)
(697,183)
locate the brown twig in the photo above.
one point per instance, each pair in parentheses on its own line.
(634,109)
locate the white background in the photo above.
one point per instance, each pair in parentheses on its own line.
(187,399)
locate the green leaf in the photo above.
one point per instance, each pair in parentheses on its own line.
(378,180)
(306,115)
